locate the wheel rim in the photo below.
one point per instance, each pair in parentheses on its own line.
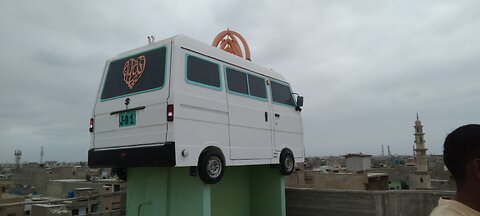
(289,163)
(214,167)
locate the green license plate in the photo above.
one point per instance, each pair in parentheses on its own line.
(126,119)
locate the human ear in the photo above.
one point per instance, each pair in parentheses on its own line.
(476,168)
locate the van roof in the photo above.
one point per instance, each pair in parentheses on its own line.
(210,51)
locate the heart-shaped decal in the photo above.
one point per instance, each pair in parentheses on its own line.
(133,70)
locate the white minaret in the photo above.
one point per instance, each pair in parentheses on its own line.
(422,177)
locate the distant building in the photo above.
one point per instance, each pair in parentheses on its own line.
(110,202)
(410,162)
(330,179)
(6,198)
(421,177)
(358,162)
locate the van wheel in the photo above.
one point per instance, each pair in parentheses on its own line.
(121,173)
(211,166)
(287,162)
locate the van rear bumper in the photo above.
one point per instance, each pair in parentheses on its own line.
(161,155)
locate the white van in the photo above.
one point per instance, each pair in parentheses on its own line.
(179,102)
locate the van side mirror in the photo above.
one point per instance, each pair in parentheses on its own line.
(299,103)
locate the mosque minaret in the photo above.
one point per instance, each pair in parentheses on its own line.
(422,177)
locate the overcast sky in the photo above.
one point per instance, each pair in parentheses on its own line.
(365,67)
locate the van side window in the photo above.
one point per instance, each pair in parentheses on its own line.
(237,81)
(135,74)
(257,86)
(281,94)
(244,83)
(203,72)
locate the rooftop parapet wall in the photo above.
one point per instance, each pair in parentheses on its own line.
(361,203)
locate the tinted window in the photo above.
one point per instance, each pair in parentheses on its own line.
(257,86)
(281,94)
(202,71)
(237,81)
(136,73)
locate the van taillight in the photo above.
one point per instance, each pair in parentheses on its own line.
(91,125)
(170,112)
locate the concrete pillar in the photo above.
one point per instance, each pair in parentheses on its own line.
(244,190)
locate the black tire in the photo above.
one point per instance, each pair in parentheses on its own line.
(287,163)
(211,166)
(121,173)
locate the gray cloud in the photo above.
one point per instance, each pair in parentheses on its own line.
(365,68)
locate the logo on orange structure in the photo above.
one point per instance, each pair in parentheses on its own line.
(228,40)
(133,70)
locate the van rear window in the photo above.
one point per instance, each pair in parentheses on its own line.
(282,94)
(203,72)
(135,74)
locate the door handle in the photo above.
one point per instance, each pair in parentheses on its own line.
(277,115)
(266,116)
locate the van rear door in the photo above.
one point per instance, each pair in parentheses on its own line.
(130,110)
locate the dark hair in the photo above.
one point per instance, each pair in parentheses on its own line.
(460,147)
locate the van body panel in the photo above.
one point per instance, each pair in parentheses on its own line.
(250,134)
(201,112)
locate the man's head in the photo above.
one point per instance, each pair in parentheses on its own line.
(461,153)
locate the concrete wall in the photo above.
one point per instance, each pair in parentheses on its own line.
(312,179)
(447,185)
(377,183)
(306,202)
